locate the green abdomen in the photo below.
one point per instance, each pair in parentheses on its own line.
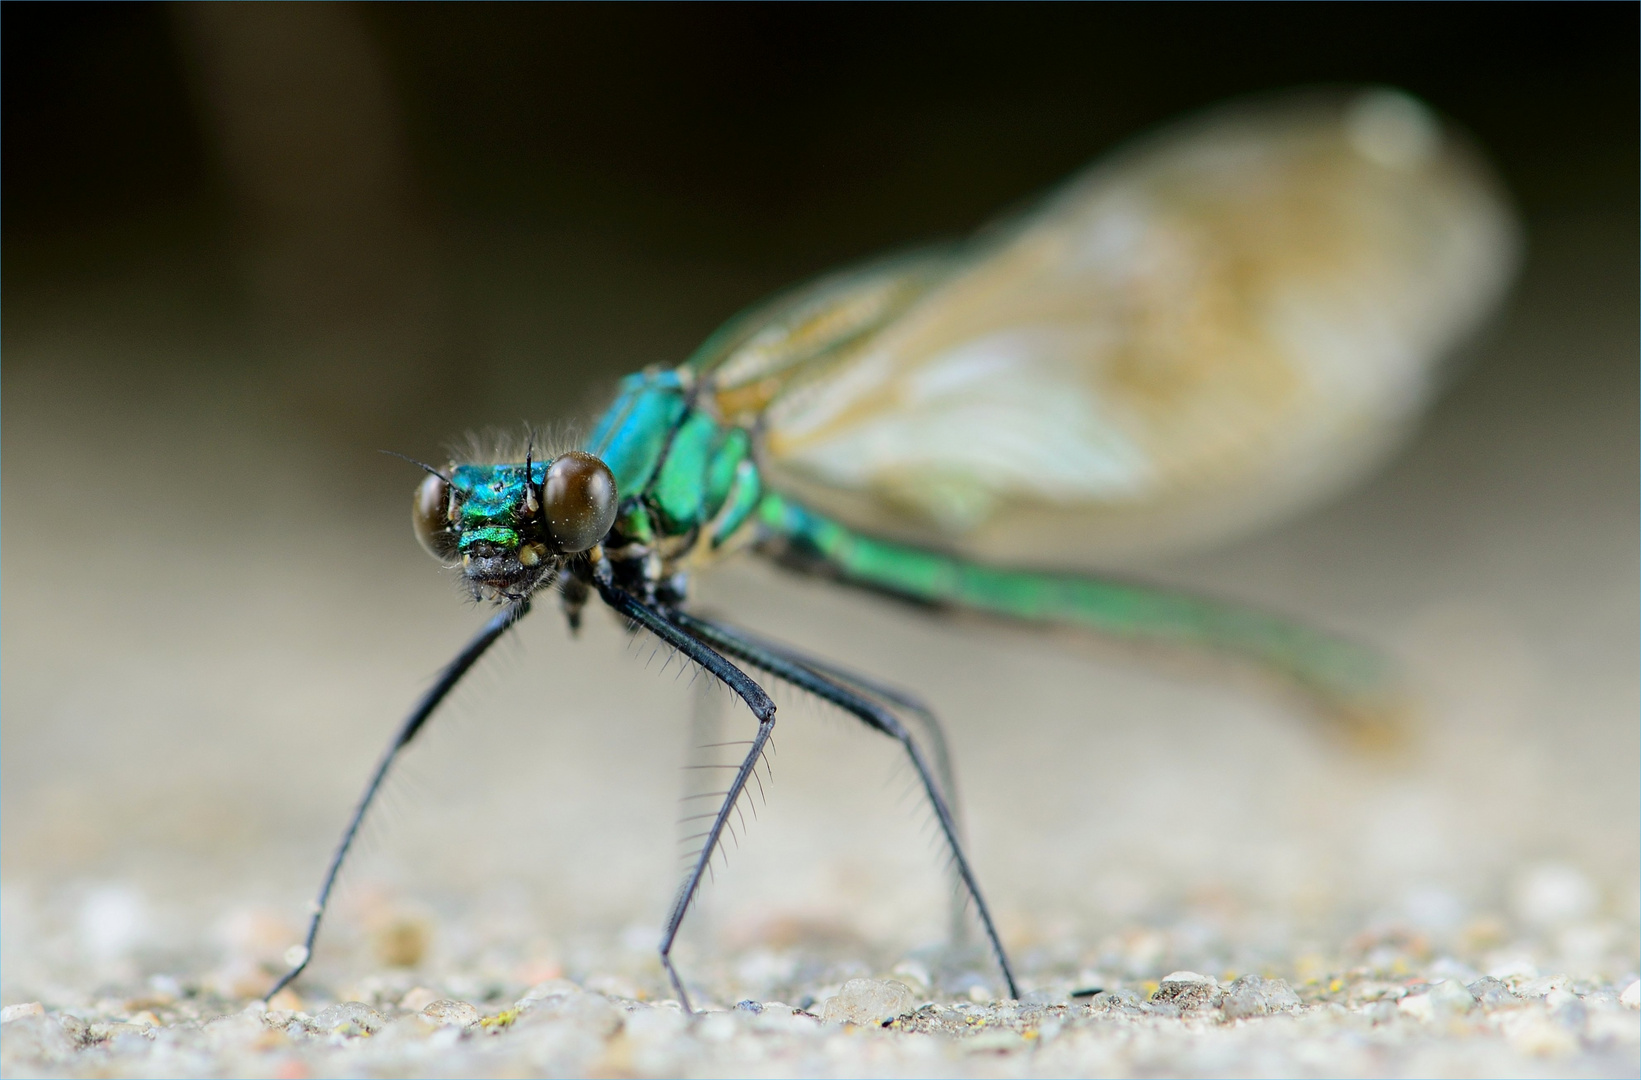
(1354,682)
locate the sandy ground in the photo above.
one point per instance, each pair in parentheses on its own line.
(213,619)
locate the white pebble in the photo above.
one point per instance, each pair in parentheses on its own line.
(34,1008)
(1418,1006)
(1537,988)
(451,1013)
(868,1001)
(1451,997)
(1251,995)
(1187,977)
(1446,998)
(1631,997)
(1559,999)
(349,1018)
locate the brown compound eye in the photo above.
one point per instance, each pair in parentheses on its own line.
(577,502)
(430,515)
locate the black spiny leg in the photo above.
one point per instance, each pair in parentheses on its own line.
(931,727)
(825,684)
(661,624)
(452,674)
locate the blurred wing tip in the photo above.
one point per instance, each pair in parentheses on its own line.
(1381,725)
(1392,128)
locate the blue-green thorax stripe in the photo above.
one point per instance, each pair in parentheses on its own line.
(634,432)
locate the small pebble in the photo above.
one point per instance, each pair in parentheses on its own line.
(451,1013)
(80,1031)
(1251,995)
(1382,1011)
(17,1012)
(349,1018)
(868,1001)
(1450,998)
(1441,1000)
(1417,1006)
(1556,1000)
(1490,992)
(1537,988)
(591,1013)
(105,1032)
(1186,990)
(1631,997)
(35,1040)
(1121,1000)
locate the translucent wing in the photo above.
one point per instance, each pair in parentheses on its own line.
(799,333)
(1211,328)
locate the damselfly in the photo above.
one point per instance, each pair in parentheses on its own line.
(1214,326)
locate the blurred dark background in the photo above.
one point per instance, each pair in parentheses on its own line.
(247,245)
(428,212)
(744,132)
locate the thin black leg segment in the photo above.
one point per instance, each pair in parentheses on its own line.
(936,731)
(796,670)
(452,674)
(714,836)
(659,623)
(931,728)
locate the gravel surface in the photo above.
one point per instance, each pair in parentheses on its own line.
(1354,1024)
(1192,876)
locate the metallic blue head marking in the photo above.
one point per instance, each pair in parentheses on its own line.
(491,501)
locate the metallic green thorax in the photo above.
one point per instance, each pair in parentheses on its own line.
(488,509)
(677,468)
